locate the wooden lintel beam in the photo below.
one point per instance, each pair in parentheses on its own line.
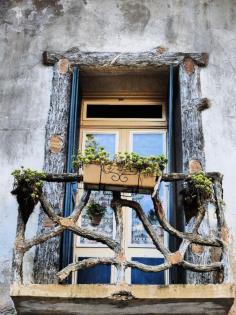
(108,61)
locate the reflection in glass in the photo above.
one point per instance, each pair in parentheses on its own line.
(105,226)
(105,223)
(106,140)
(138,234)
(146,144)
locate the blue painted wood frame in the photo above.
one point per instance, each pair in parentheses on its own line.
(70,188)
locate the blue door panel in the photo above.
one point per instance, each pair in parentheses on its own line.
(98,274)
(141,277)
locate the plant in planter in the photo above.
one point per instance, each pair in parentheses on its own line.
(95,212)
(27,187)
(125,169)
(198,188)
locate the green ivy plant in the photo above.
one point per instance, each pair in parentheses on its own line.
(93,154)
(199,185)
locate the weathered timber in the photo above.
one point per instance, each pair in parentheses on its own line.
(148,268)
(202,268)
(195,238)
(190,98)
(19,251)
(117,244)
(47,254)
(120,253)
(191,103)
(112,61)
(147,226)
(86,263)
(168,177)
(80,205)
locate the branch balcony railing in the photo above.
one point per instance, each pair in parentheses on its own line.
(219,240)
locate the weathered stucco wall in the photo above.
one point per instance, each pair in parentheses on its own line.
(28,27)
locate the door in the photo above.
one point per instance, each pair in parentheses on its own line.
(138,245)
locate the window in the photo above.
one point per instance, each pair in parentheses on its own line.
(111,123)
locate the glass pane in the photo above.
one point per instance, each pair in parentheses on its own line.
(138,234)
(146,144)
(106,140)
(124,111)
(100,223)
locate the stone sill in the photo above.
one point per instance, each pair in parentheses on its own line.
(122,299)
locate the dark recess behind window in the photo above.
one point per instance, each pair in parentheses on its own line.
(124,111)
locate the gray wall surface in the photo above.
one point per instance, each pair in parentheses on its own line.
(28,27)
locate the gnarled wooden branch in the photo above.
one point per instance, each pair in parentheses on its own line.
(194,238)
(94,236)
(80,206)
(147,225)
(86,263)
(148,268)
(201,268)
(42,238)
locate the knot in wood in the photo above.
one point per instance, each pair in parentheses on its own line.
(66,222)
(63,66)
(20,245)
(175,258)
(188,65)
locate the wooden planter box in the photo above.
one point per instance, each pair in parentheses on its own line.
(97,177)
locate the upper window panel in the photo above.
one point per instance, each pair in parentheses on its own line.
(123,112)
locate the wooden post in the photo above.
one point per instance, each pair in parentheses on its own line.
(47,256)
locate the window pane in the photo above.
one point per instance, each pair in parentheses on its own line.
(106,140)
(124,111)
(138,234)
(104,223)
(147,144)
(101,224)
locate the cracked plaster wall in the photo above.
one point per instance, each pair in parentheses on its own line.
(28,27)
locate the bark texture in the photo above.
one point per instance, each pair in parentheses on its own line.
(47,254)
(117,61)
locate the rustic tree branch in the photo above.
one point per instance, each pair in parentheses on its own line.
(86,263)
(148,268)
(202,268)
(147,225)
(194,238)
(102,61)
(80,206)
(42,238)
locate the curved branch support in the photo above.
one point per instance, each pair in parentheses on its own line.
(148,268)
(42,238)
(202,268)
(147,226)
(86,263)
(194,238)
(94,236)
(47,208)
(79,207)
